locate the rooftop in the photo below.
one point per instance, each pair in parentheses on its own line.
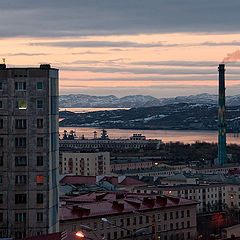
(80,180)
(97,204)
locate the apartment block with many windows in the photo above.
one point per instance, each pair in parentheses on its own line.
(28,151)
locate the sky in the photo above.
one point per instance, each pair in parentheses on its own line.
(108,47)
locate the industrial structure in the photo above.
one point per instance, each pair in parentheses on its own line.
(222,154)
(28,151)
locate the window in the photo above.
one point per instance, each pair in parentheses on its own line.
(39,198)
(21,161)
(171,226)
(39,179)
(1,160)
(1,217)
(39,123)
(188,224)
(147,219)
(1,104)
(20,142)
(1,179)
(39,160)
(1,123)
(1,86)
(40,142)
(39,104)
(39,85)
(140,220)
(171,215)
(176,225)
(21,104)
(20,217)
(1,198)
(1,142)
(39,217)
(20,235)
(21,124)
(134,221)
(20,179)
(188,213)
(20,86)
(128,221)
(182,224)
(165,216)
(182,214)
(20,198)
(121,222)
(176,214)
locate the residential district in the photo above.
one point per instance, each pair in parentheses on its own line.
(67,187)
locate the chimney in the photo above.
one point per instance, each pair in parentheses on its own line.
(222,155)
(3,66)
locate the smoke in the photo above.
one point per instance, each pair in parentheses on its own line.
(232,57)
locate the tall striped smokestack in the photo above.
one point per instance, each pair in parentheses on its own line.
(222,154)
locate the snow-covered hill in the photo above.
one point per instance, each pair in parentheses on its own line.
(111,101)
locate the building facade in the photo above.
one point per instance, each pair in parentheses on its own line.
(85,164)
(165,217)
(28,151)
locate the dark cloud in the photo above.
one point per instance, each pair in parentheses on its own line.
(184,63)
(27,54)
(160,71)
(126,44)
(102,44)
(108,17)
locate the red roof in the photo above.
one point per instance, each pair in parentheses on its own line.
(234,171)
(62,235)
(96,204)
(80,180)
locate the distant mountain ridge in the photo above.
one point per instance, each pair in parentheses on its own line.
(133,101)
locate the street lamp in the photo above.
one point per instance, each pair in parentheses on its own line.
(88,229)
(153,220)
(79,234)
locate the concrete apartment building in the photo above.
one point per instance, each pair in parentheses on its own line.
(85,164)
(28,151)
(171,217)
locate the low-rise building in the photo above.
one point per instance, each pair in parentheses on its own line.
(85,164)
(126,164)
(119,215)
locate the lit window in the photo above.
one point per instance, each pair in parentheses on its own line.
(21,104)
(39,179)
(39,85)
(20,86)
